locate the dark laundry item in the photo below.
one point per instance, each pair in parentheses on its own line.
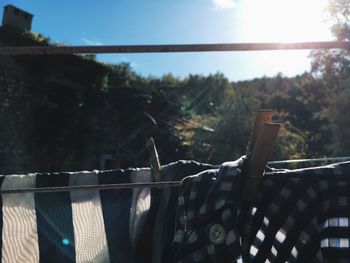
(165,203)
(75,226)
(206,217)
(88,225)
(54,220)
(82,226)
(159,227)
(300,215)
(116,213)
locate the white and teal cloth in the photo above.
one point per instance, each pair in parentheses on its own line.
(75,226)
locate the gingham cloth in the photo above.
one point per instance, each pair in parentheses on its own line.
(300,216)
(165,203)
(207,217)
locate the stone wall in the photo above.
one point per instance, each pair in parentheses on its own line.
(68,112)
(15,124)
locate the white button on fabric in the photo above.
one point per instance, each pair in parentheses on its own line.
(179,235)
(217,234)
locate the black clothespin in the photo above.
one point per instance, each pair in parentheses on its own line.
(259,149)
(154,160)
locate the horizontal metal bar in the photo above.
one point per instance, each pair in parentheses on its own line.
(89,187)
(44,50)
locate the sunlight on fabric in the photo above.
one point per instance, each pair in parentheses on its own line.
(19,229)
(253,251)
(294,252)
(280,236)
(274,251)
(144,201)
(260,235)
(266,221)
(336,222)
(335,242)
(88,222)
(253,211)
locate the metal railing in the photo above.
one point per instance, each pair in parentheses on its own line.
(45,50)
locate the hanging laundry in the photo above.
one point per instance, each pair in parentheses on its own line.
(207,215)
(88,225)
(300,216)
(125,212)
(75,226)
(165,203)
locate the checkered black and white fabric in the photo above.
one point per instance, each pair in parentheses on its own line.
(300,216)
(207,216)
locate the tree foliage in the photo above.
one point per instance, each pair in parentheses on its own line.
(80,109)
(333,69)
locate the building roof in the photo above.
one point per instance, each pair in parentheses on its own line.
(19,9)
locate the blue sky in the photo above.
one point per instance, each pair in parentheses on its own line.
(123,22)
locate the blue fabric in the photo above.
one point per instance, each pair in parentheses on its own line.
(116,212)
(54,220)
(164,227)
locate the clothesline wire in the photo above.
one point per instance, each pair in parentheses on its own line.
(89,187)
(313,160)
(139,185)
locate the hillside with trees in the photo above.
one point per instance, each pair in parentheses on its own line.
(70,112)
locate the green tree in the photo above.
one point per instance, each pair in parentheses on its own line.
(333,68)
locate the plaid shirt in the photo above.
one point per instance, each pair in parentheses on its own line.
(298,216)
(207,216)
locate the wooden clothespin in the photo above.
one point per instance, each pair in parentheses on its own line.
(259,149)
(154,160)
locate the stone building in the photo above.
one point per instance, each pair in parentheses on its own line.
(16,18)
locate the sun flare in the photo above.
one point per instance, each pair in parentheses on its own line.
(285,20)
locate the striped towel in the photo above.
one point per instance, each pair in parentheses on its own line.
(75,226)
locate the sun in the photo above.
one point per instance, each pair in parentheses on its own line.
(284,20)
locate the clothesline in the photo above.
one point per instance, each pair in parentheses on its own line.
(140,185)
(90,187)
(325,159)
